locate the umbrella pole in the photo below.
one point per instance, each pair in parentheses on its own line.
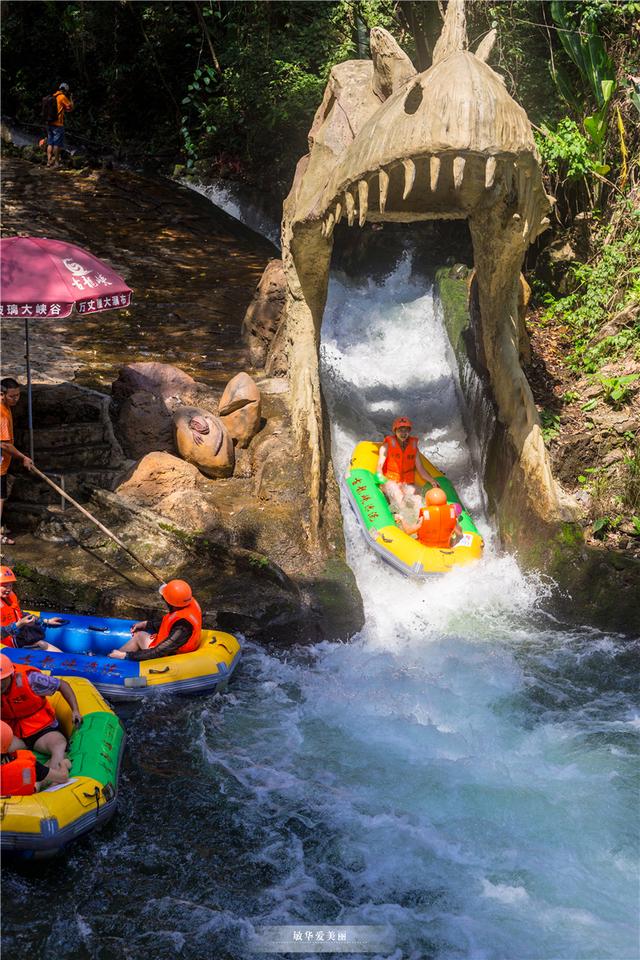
(27,357)
(101,526)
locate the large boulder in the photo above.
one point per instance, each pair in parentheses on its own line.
(144,424)
(157,476)
(265,313)
(202,439)
(160,379)
(240,409)
(192,510)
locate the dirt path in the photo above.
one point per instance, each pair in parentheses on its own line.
(192,269)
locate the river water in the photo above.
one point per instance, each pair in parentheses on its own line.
(463,773)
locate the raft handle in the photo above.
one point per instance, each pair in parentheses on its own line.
(386,539)
(162,670)
(96,628)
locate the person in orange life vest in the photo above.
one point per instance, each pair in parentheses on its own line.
(437,524)
(16,629)
(177,632)
(9,397)
(21,773)
(55,129)
(26,709)
(398,461)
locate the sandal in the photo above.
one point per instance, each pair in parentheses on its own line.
(6,540)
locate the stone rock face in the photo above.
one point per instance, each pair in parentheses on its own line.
(202,439)
(156,476)
(265,312)
(160,379)
(192,510)
(144,424)
(240,409)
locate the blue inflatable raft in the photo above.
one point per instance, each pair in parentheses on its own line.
(86,641)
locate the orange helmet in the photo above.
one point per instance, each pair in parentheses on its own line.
(6,736)
(177,593)
(6,666)
(7,575)
(436,497)
(401,422)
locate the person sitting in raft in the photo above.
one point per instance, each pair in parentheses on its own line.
(21,774)
(26,709)
(16,629)
(177,632)
(398,461)
(437,524)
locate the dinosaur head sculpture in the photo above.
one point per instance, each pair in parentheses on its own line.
(390,144)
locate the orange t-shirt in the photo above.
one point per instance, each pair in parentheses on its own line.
(64,105)
(6,433)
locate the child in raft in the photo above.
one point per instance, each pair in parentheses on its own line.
(16,628)
(437,524)
(21,773)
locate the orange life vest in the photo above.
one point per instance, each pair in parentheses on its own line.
(25,711)
(10,612)
(193,614)
(400,464)
(18,775)
(438,523)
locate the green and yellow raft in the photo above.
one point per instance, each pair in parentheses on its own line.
(403,552)
(40,825)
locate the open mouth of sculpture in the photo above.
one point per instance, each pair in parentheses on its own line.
(445,186)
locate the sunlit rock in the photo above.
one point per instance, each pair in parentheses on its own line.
(240,408)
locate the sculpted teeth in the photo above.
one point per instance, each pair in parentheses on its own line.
(458,171)
(338,212)
(383,178)
(434,171)
(363,201)
(409,177)
(490,172)
(330,221)
(351,206)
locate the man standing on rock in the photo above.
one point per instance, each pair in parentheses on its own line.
(9,396)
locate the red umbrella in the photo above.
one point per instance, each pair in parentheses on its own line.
(47,278)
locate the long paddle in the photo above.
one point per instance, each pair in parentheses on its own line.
(93,519)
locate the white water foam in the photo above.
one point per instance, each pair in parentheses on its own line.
(462,771)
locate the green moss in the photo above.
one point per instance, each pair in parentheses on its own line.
(455,304)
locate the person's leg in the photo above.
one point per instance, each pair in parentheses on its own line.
(393,493)
(4,534)
(54,743)
(139,641)
(43,645)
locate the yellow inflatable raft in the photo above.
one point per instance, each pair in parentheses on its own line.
(41,824)
(371,508)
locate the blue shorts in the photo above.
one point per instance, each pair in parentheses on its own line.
(55,136)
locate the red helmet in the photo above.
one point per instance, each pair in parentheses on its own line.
(177,593)
(6,667)
(401,422)
(436,497)
(6,736)
(7,575)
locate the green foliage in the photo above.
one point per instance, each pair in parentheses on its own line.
(601,288)
(550,425)
(631,481)
(618,390)
(567,152)
(578,33)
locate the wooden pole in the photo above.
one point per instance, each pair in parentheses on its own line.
(101,526)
